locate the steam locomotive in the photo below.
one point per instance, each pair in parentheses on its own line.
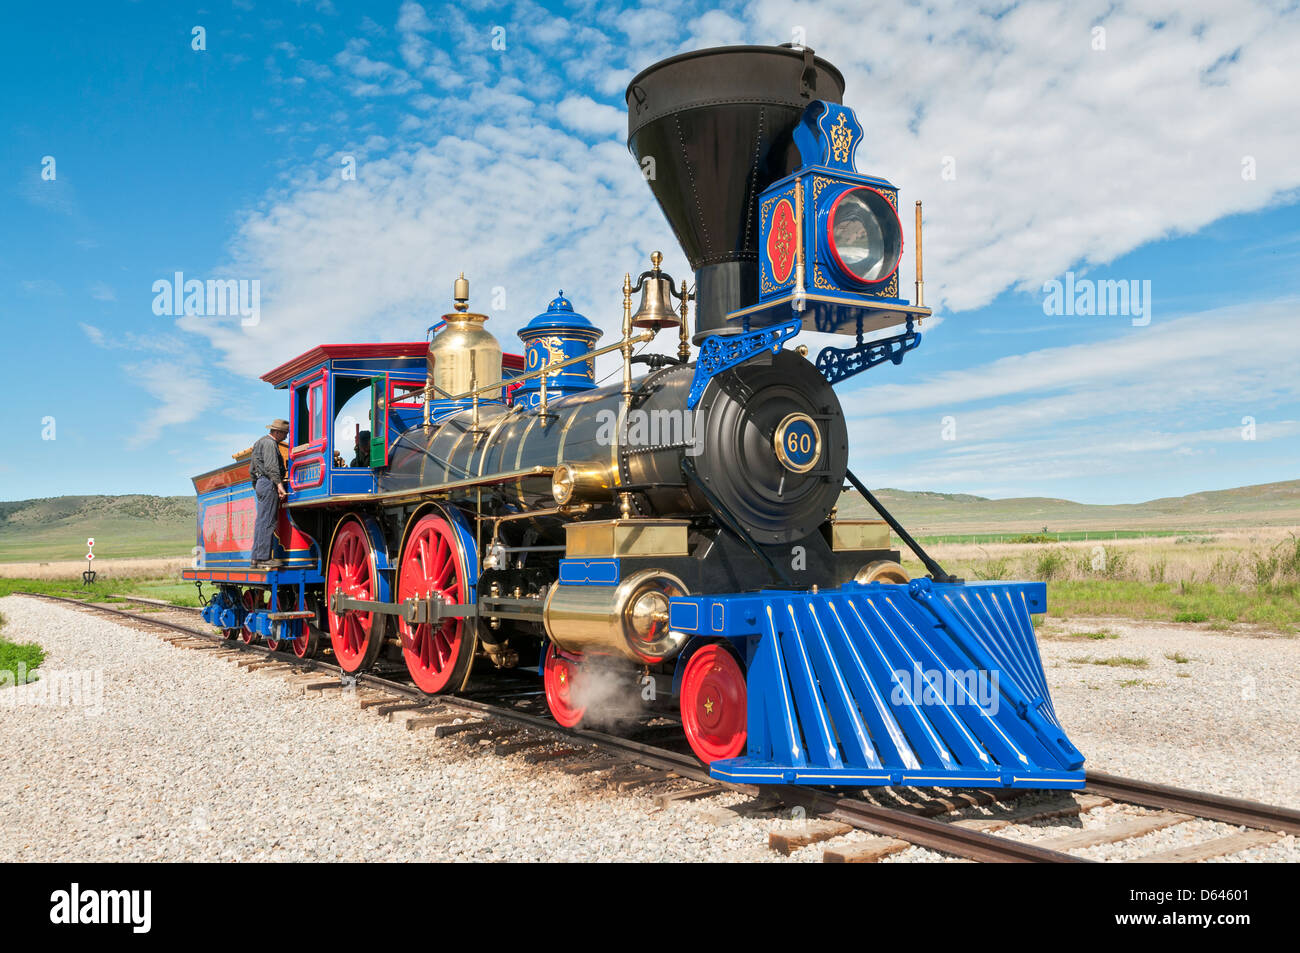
(673,538)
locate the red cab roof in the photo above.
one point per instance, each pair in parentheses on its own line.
(333,352)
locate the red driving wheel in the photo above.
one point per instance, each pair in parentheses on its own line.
(561,676)
(357,637)
(713,704)
(254,601)
(438,655)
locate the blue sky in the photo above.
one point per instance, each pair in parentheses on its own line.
(1162,149)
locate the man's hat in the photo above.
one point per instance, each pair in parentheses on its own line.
(279,425)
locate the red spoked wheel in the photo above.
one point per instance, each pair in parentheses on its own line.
(254,601)
(304,646)
(713,704)
(308,642)
(562,676)
(438,656)
(357,637)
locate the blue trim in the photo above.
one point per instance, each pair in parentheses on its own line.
(386,574)
(837,364)
(590,572)
(721,352)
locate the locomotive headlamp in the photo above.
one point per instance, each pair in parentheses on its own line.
(864,235)
(572,484)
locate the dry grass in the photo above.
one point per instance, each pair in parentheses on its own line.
(1229,557)
(105,569)
(1220,578)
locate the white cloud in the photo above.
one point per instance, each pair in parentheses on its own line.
(181,393)
(101,291)
(1064,154)
(584,114)
(1105,409)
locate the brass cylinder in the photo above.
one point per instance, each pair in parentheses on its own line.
(629,619)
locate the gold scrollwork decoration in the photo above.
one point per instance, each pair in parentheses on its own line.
(841,139)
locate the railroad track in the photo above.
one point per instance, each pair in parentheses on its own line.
(515,722)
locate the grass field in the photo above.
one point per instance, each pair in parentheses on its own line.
(1215,578)
(1221,559)
(17,658)
(53,529)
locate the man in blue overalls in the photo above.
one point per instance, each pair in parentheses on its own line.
(267,470)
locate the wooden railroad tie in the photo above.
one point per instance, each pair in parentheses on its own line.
(538,757)
(487,731)
(1076,805)
(690,794)
(1218,847)
(442,731)
(1120,830)
(384,709)
(591,766)
(322,685)
(808,832)
(371,701)
(721,816)
(514,746)
(864,852)
(644,777)
(435,719)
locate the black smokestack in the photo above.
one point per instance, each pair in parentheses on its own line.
(717,124)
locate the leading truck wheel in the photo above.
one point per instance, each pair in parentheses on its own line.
(438,655)
(254,601)
(562,677)
(307,642)
(357,637)
(713,704)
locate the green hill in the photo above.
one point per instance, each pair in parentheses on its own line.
(1265,504)
(122,526)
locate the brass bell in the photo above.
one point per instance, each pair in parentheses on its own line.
(656,309)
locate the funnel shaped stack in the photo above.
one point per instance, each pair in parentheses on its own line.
(711,130)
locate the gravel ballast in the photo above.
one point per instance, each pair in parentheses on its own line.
(1180,704)
(185,756)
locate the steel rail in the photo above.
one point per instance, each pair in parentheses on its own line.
(942,836)
(1213,807)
